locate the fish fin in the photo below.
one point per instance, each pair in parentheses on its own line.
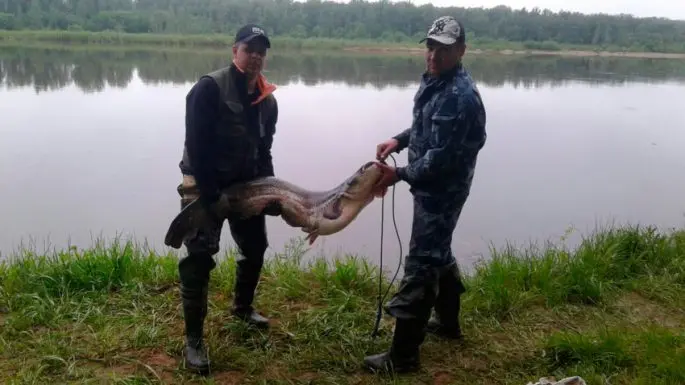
(311,237)
(183,224)
(332,210)
(312,231)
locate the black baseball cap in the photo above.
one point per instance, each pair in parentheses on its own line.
(251,31)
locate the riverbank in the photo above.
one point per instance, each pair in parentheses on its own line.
(613,307)
(219,41)
(561,52)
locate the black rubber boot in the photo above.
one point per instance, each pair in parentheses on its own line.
(194,273)
(194,313)
(246,280)
(445,320)
(445,324)
(403,356)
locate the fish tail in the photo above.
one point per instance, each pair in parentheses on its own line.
(184,223)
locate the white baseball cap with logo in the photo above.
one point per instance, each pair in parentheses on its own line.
(445,30)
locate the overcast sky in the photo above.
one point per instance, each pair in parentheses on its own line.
(673,9)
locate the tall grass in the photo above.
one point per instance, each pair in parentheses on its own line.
(181,40)
(606,262)
(652,355)
(117,307)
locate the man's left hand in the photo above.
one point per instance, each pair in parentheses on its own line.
(388,178)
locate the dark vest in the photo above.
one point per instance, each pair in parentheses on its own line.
(237,139)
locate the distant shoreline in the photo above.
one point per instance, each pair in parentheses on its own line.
(563,52)
(80,39)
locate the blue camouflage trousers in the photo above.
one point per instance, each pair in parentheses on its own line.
(431,275)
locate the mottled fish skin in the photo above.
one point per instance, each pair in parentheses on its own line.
(316,212)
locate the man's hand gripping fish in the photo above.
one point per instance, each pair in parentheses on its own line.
(316,212)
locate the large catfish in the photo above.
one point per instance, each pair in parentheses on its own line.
(315,212)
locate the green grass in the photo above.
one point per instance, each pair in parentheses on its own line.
(195,41)
(610,310)
(168,40)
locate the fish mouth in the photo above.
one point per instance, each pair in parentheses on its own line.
(353,180)
(366,166)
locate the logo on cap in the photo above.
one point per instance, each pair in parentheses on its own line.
(438,27)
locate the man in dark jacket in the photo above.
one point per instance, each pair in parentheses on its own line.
(447,133)
(231,118)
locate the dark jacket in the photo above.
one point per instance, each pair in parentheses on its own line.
(447,132)
(228,136)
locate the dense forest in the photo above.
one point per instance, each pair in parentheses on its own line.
(358,19)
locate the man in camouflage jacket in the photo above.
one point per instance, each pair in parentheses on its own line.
(447,133)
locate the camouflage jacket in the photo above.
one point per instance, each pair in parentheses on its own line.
(447,132)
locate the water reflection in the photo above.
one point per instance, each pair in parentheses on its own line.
(92,70)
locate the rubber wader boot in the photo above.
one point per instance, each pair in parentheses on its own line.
(247,277)
(445,320)
(403,356)
(194,312)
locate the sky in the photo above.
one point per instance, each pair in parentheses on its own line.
(672,9)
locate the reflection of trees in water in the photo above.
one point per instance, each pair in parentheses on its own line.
(47,70)
(376,71)
(556,71)
(92,71)
(284,69)
(40,72)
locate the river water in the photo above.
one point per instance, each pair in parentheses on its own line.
(91,141)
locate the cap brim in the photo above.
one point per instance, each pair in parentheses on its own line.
(256,35)
(440,39)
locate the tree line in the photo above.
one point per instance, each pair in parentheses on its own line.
(358,19)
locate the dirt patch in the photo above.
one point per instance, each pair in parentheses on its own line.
(161,359)
(442,378)
(119,370)
(475,364)
(221,298)
(640,309)
(124,369)
(228,378)
(308,377)
(144,361)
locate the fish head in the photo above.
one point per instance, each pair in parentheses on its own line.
(351,197)
(360,186)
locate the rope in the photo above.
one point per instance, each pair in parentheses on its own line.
(399,263)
